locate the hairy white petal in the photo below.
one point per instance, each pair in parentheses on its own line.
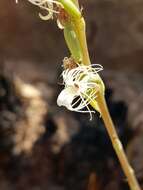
(83,82)
(66,97)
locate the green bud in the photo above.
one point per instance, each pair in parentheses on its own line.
(72,42)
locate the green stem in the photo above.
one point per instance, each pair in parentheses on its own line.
(129,172)
(71,8)
(80,29)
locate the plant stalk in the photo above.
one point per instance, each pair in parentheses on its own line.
(80,29)
(129,172)
(71,8)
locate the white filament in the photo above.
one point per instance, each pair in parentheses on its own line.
(47,5)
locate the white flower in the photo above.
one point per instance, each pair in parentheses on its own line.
(81,87)
(47,5)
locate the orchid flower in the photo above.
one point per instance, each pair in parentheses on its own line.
(81,87)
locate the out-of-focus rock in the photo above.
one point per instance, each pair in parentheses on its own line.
(31,127)
(67,127)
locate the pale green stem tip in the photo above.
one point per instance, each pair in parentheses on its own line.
(71,8)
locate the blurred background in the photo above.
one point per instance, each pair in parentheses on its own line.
(45,147)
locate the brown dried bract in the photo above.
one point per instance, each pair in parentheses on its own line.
(69,63)
(62,16)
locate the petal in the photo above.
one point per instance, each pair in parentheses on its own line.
(66,97)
